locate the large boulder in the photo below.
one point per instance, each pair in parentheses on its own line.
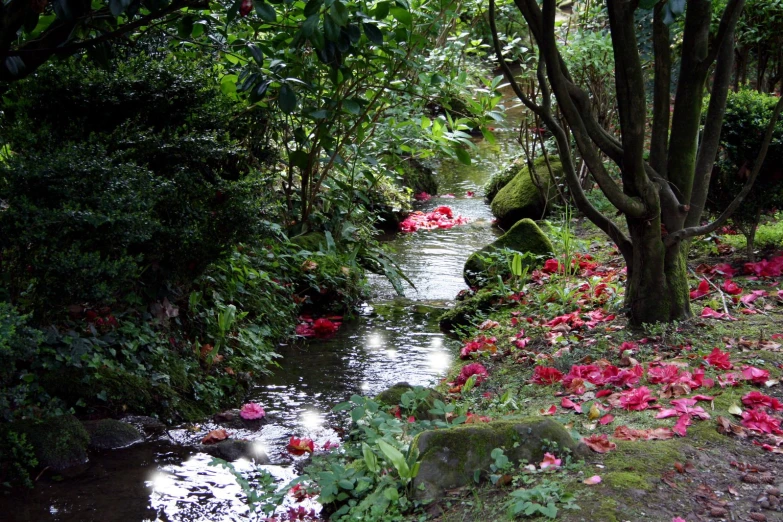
(107,434)
(59,443)
(449,458)
(521,197)
(524,236)
(393,397)
(502,178)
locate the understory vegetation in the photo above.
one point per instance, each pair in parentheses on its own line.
(184,187)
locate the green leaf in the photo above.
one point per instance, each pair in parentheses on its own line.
(396,458)
(463,156)
(370,460)
(345,484)
(312,8)
(299,158)
(381,10)
(265,11)
(339,13)
(373,33)
(310,25)
(228,84)
(286,99)
(257,54)
(331,29)
(402,15)
(352,107)
(117,7)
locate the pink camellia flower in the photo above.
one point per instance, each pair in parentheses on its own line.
(469,370)
(755,375)
(550,461)
(551,266)
(719,359)
(665,373)
(755,399)
(252,411)
(544,375)
(423,196)
(636,399)
(730,287)
(758,420)
(701,290)
(324,328)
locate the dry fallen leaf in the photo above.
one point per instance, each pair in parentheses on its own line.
(215,436)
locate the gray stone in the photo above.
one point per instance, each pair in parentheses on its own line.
(235,449)
(449,458)
(108,434)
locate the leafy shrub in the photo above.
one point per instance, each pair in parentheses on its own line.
(136,177)
(747,115)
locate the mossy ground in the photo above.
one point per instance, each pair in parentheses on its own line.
(645,479)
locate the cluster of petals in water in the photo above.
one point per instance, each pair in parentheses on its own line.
(441,217)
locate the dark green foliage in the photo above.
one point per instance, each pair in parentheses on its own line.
(17,459)
(135,177)
(747,116)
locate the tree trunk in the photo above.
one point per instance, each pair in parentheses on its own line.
(657,287)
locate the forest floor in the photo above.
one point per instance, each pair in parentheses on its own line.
(683,420)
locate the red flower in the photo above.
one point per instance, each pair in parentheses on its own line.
(636,399)
(755,375)
(730,287)
(480,343)
(681,426)
(551,266)
(755,399)
(246,7)
(718,359)
(323,328)
(758,420)
(684,407)
(590,373)
(301,446)
(666,373)
(702,290)
(544,375)
(422,196)
(630,346)
(469,370)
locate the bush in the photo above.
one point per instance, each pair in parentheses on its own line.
(131,179)
(747,115)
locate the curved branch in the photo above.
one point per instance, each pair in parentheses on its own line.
(685,233)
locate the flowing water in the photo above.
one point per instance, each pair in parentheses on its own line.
(393,339)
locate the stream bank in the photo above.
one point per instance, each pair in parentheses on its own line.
(393,339)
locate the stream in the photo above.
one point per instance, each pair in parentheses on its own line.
(393,339)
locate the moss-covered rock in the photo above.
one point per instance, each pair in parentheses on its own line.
(393,397)
(449,458)
(464,311)
(524,236)
(59,443)
(502,178)
(521,197)
(108,434)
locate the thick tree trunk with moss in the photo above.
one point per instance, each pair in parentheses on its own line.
(657,286)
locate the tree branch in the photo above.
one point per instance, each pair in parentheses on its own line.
(708,150)
(659,141)
(685,233)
